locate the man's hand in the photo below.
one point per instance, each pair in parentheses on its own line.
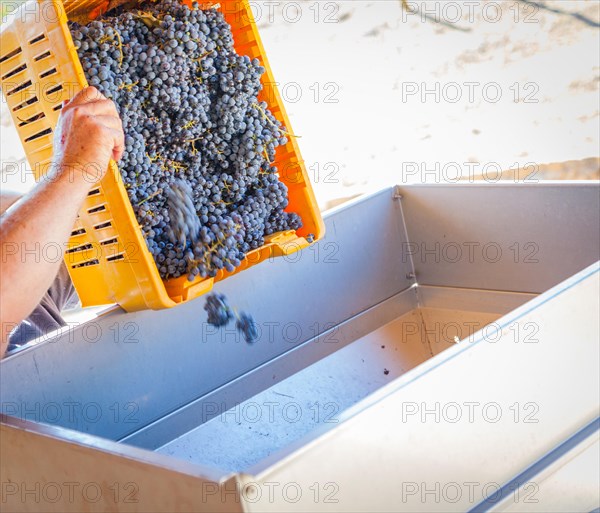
(89,134)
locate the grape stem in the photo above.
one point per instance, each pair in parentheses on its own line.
(120,44)
(282,130)
(129,87)
(149,197)
(198,59)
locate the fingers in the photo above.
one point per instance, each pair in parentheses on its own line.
(118,143)
(97,108)
(90,101)
(115,126)
(110,122)
(87,95)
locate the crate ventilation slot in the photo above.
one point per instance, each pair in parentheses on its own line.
(20,87)
(43,56)
(55,89)
(107,242)
(37,39)
(45,74)
(94,192)
(95,210)
(39,134)
(116,258)
(31,119)
(81,231)
(86,264)
(102,225)
(79,249)
(12,73)
(10,55)
(57,107)
(31,101)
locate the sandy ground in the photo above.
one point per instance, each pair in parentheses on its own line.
(444,90)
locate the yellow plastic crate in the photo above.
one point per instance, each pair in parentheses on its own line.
(107,256)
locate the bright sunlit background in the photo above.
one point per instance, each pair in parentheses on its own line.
(393,91)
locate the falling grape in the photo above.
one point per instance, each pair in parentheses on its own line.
(218,310)
(246,325)
(220,314)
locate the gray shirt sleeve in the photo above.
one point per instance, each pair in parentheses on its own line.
(47,315)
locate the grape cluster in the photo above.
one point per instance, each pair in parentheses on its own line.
(199,146)
(220,313)
(218,310)
(245,323)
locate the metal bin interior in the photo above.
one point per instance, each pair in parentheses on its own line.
(400,277)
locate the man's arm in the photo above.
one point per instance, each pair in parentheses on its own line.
(88,135)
